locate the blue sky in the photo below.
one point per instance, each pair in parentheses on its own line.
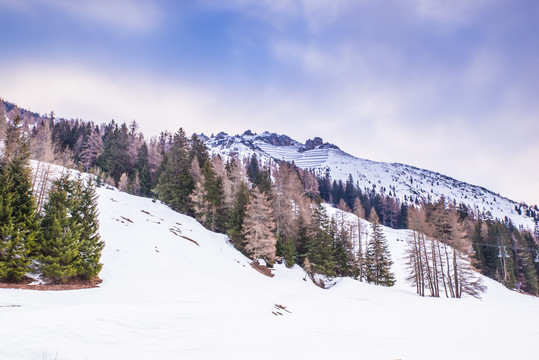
(450,86)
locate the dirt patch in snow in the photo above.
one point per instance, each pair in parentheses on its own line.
(262,269)
(71,285)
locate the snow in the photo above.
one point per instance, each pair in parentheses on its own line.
(399,179)
(164,297)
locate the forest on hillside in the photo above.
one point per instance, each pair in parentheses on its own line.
(270,211)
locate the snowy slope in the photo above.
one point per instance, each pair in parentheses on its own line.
(398,179)
(165,297)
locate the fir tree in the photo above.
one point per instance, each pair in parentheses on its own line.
(115,157)
(320,246)
(289,251)
(143,169)
(18,220)
(175,182)
(70,243)
(237,216)
(378,269)
(60,255)
(213,186)
(85,213)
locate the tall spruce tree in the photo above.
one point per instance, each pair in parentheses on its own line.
(378,269)
(320,246)
(85,213)
(70,243)
(237,216)
(18,218)
(59,242)
(175,183)
(143,169)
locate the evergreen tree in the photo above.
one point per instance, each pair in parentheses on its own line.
(85,213)
(213,186)
(378,270)
(18,220)
(237,216)
(115,158)
(320,247)
(289,251)
(253,169)
(60,237)
(143,169)
(302,242)
(175,182)
(70,242)
(198,150)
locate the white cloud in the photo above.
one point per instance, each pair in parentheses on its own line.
(375,121)
(75,91)
(446,12)
(125,15)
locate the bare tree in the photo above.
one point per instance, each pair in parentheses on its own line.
(258,228)
(3,120)
(444,260)
(91,150)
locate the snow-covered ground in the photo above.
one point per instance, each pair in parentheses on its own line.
(165,297)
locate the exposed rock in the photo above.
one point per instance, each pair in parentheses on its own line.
(276,140)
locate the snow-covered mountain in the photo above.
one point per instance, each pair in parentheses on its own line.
(394,179)
(172,289)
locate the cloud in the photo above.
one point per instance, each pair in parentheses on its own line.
(124,15)
(374,122)
(447,12)
(78,91)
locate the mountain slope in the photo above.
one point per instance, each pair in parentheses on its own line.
(397,180)
(163,297)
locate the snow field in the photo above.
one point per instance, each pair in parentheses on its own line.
(164,297)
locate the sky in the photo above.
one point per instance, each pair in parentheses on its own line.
(447,85)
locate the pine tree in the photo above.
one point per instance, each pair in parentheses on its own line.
(289,253)
(175,183)
(378,270)
(320,246)
(60,254)
(258,228)
(143,169)
(237,216)
(213,186)
(70,241)
(115,159)
(85,213)
(18,219)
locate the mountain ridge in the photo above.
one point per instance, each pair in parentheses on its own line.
(403,182)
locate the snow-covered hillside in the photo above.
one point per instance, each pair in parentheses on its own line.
(174,290)
(398,179)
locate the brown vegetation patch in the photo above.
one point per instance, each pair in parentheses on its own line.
(262,269)
(74,284)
